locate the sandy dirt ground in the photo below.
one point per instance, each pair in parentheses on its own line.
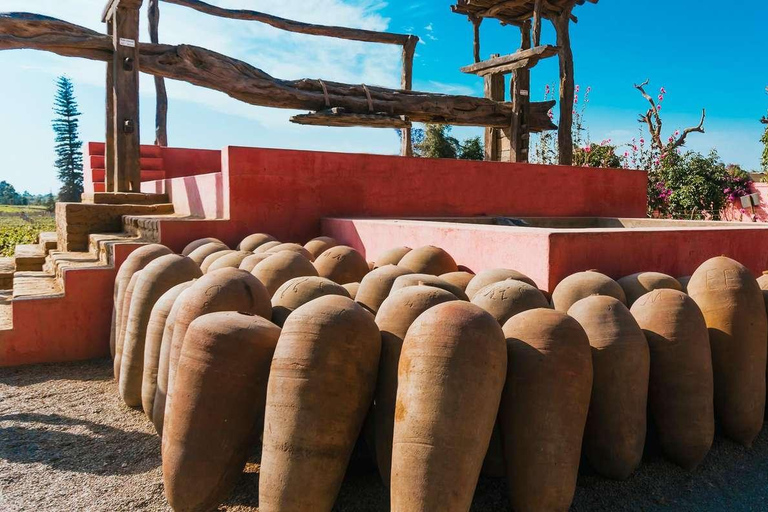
(68,443)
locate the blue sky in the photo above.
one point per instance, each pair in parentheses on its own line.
(700,57)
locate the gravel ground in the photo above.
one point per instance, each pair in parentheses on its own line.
(68,443)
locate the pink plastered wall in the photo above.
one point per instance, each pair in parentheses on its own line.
(287,193)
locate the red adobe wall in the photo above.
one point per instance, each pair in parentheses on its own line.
(475,246)
(287,193)
(549,255)
(72,327)
(677,252)
(157,163)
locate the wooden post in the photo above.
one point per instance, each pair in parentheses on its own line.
(161,106)
(567,86)
(109,147)
(520,93)
(406,83)
(476,44)
(494,90)
(123,15)
(537,23)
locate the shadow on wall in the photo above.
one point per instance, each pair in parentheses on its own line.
(69,444)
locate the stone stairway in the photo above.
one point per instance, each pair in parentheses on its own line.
(55,295)
(38,271)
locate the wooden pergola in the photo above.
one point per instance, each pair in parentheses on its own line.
(513,144)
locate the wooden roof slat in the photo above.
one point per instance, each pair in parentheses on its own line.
(514,11)
(339,117)
(508,63)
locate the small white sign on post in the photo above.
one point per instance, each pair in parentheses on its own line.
(130,43)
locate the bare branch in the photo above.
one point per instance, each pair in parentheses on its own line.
(681,140)
(653,117)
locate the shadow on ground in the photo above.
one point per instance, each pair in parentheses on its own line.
(70,444)
(85,371)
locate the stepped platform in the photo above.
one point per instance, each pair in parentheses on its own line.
(483,213)
(29,257)
(7,269)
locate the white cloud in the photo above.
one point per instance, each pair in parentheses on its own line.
(281,54)
(445,88)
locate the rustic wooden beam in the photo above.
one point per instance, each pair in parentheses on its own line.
(567,89)
(247,83)
(493,90)
(161,102)
(109,148)
(354,34)
(524,58)
(520,94)
(537,23)
(476,22)
(109,9)
(338,117)
(406,83)
(125,64)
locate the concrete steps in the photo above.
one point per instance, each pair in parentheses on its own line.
(28,285)
(29,257)
(48,240)
(48,283)
(7,269)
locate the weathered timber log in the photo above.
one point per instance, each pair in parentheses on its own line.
(161,106)
(508,63)
(353,34)
(249,84)
(339,117)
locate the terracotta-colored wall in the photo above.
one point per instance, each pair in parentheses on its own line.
(69,328)
(676,252)
(180,162)
(176,162)
(548,256)
(288,192)
(200,196)
(475,246)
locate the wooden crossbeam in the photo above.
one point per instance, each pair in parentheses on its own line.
(339,117)
(249,84)
(507,63)
(355,34)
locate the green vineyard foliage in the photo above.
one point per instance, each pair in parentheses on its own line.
(22,225)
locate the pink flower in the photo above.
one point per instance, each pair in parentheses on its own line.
(658,107)
(677,133)
(661,97)
(642,141)
(626,154)
(663,91)
(578,88)
(588,149)
(546,89)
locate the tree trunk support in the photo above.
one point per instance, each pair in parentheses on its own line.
(520,93)
(567,86)
(494,90)
(406,83)
(109,148)
(161,105)
(123,17)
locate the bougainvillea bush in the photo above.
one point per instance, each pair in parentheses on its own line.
(693,186)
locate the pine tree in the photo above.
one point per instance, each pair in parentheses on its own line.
(69,155)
